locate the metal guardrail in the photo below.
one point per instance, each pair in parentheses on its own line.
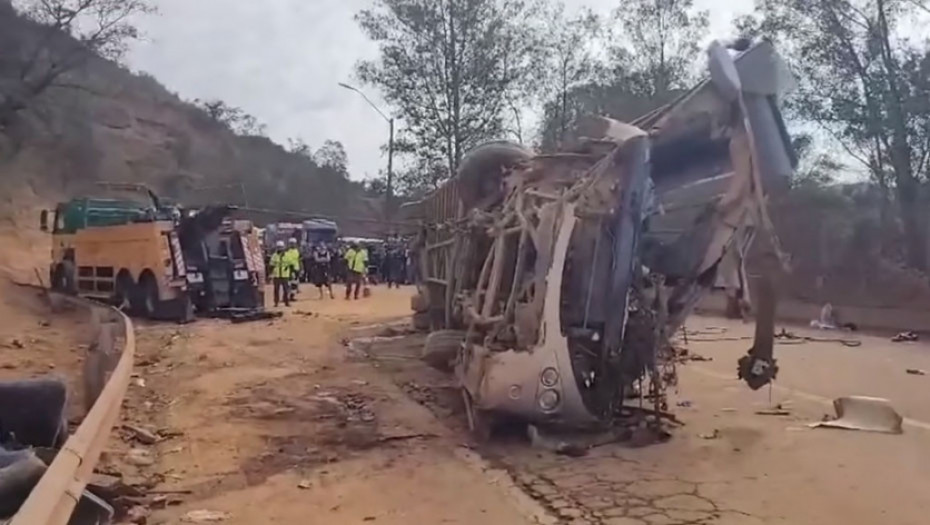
(54,498)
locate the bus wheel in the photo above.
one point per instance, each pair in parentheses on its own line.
(123,292)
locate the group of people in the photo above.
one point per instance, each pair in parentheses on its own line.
(324,263)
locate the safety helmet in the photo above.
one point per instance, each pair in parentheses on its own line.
(292,242)
(279,244)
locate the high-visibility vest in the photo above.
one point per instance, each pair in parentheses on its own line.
(357,260)
(292,256)
(281,267)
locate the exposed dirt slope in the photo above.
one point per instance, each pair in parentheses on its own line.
(109,124)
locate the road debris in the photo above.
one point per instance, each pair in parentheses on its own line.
(916,372)
(304,484)
(871,414)
(142,435)
(773,412)
(905,337)
(711,435)
(138,514)
(786,336)
(140,457)
(206,516)
(538,440)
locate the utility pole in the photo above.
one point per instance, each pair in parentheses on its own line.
(389,190)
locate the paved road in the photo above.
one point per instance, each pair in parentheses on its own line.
(758,469)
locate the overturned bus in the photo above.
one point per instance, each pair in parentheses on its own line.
(552,283)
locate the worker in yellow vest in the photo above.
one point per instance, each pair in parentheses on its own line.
(356,265)
(293,258)
(282,271)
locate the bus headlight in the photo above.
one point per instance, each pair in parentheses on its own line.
(549,377)
(548,400)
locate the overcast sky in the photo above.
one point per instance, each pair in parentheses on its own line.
(281,60)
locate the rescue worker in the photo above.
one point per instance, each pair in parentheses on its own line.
(282,271)
(293,257)
(356,265)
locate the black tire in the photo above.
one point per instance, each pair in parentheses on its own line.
(419,303)
(124,293)
(63,278)
(421,321)
(148,297)
(442,349)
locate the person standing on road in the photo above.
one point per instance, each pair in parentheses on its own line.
(293,257)
(321,260)
(356,264)
(282,270)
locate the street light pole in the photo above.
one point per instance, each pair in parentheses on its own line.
(389,191)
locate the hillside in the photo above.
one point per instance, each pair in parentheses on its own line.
(109,124)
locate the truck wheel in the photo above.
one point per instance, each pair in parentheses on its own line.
(442,348)
(148,297)
(123,293)
(63,278)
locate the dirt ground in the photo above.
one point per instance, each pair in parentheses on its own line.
(284,422)
(280,422)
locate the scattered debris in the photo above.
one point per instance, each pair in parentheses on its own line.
(140,457)
(787,336)
(206,516)
(401,437)
(142,435)
(773,412)
(45,323)
(905,337)
(777,410)
(684,404)
(916,372)
(16,343)
(712,435)
(304,484)
(554,445)
(140,382)
(138,514)
(359,382)
(870,414)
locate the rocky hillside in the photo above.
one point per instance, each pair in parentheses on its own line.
(107,124)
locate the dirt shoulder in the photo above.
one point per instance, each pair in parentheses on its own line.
(279,423)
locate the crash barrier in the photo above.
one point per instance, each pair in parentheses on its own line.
(106,375)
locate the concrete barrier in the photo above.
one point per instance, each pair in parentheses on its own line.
(106,373)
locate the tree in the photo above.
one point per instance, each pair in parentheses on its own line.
(567,60)
(651,52)
(867,85)
(332,155)
(450,67)
(73,32)
(658,46)
(233,118)
(299,147)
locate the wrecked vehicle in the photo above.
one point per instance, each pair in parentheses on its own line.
(552,283)
(225,265)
